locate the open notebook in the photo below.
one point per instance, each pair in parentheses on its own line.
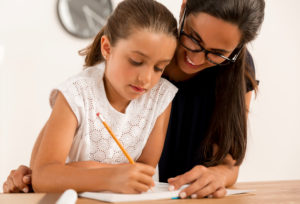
(160,191)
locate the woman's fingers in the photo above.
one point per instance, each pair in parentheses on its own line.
(221,192)
(12,188)
(19,180)
(199,188)
(27,179)
(203,182)
(187,177)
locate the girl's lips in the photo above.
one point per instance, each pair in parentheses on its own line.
(137,89)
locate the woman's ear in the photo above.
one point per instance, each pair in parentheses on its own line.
(182,8)
(105,47)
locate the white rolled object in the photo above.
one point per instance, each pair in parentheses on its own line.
(68,197)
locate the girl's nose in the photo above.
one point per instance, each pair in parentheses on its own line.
(145,75)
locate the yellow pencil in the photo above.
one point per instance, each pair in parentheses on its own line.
(114,137)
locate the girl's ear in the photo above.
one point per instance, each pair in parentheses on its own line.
(182,8)
(105,47)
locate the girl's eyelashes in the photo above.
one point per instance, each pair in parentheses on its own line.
(158,69)
(135,63)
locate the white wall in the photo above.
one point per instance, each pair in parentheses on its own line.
(36,54)
(274,138)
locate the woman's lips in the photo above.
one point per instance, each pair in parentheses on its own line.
(189,62)
(137,89)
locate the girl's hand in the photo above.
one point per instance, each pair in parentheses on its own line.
(18,181)
(131,178)
(203,182)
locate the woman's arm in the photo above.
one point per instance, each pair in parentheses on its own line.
(51,174)
(153,148)
(209,181)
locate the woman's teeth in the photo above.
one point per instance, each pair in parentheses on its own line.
(189,61)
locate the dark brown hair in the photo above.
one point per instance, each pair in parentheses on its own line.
(228,126)
(129,16)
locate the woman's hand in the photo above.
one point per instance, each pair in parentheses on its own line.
(18,181)
(203,182)
(131,178)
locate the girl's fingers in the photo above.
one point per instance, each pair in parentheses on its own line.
(146,169)
(140,187)
(146,180)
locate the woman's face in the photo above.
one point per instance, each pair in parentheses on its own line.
(213,34)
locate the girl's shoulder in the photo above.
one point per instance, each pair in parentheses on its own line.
(159,97)
(87,76)
(164,85)
(92,73)
(162,89)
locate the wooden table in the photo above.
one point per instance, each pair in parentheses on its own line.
(283,192)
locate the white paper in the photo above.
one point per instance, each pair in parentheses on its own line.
(160,191)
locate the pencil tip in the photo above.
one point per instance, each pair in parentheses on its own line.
(98,114)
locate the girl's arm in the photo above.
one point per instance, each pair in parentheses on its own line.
(36,146)
(51,174)
(207,181)
(85,164)
(153,148)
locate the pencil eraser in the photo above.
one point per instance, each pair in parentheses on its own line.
(68,197)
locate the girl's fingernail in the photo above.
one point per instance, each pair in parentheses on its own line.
(25,190)
(182,195)
(194,196)
(171,188)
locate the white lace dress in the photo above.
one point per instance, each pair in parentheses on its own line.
(86,96)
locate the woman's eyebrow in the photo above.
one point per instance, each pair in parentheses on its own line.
(212,49)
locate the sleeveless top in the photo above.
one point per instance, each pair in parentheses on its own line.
(85,94)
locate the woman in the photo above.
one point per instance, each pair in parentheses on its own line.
(207,134)
(211,68)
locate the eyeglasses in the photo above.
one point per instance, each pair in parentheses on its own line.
(193,45)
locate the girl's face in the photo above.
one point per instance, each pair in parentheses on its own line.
(210,33)
(135,64)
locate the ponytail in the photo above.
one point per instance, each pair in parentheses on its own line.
(93,53)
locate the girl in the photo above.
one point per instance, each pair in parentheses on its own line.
(129,93)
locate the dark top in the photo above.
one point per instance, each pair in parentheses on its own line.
(191,111)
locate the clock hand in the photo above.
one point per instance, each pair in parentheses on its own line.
(90,15)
